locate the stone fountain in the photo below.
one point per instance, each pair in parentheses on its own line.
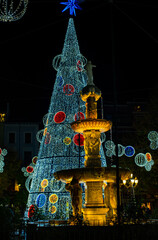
(96,178)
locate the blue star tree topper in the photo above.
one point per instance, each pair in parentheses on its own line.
(72,4)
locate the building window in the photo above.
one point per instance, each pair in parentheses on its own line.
(27,158)
(11,137)
(27,137)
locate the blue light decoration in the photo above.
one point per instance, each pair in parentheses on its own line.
(60,147)
(3,153)
(41,200)
(12,10)
(72,5)
(129,151)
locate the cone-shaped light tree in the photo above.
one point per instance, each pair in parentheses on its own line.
(60,147)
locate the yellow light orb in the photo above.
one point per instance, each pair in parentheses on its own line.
(44,183)
(52,209)
(53,198)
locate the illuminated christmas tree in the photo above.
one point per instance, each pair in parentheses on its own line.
(60,147)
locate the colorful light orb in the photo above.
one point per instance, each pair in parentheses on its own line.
(68,89)
(41,200)
(52,209)
(29,169)
(59,117)
(47,138)
(34,160)
(78,139)
(140,160)
(148,157)
(79,66)
(0,151)
(67,140)
(31,211)
(44,183)
(79,116)
(129,151)
(53,198)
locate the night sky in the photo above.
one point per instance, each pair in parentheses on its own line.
(28,46)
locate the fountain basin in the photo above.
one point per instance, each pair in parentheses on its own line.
(94,174)
(91,124)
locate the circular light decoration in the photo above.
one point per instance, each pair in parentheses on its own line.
(148,157)
(129,151)
(121,150)
(34,160)
(31,211)
(29,169)
(109,145)
(140,160)
(153,136)
(39,135)
(79,66)
(52,209)
(44,183)
(0,151)
(148,166)
(57,61)
(82,59)
(154,145)
(48,119)
(47,138)
(53,198)
(79,116)
(59,117)
(78,139)
(68,89)
(56,186)
(41,200)
(67,140)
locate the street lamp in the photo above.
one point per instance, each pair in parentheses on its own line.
(131,182)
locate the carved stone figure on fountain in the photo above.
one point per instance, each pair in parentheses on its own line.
(76,196)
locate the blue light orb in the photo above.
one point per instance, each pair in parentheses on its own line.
(72,4)
(129,151)
(41,200)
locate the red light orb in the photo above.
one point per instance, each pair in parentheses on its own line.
(68,89)
(59,117)
(29,169)
(0,151)
(31,211)
(79,116)
(78,139)
(148,157)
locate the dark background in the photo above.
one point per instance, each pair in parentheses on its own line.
(28,46)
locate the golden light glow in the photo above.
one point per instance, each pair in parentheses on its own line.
(93,124)
(44,183)
(2,117)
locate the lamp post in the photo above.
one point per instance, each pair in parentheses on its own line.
(131,183)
